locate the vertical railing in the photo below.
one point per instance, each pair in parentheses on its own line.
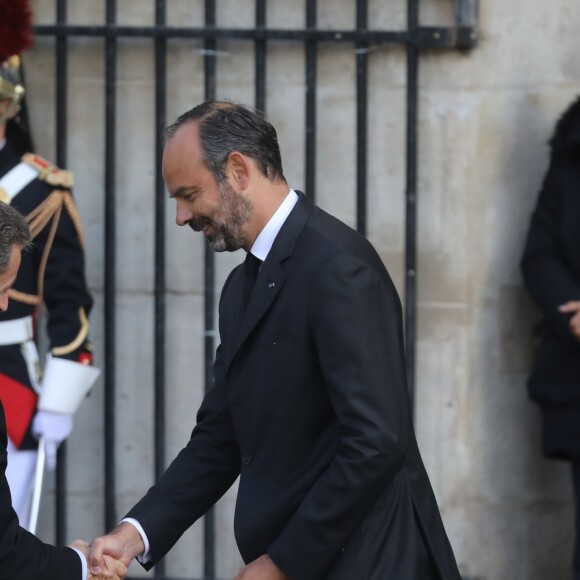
(61,160)
(362,51)
(311,68)
(210,46)
(160,246)
(260,55)
(110,270)
(411,198)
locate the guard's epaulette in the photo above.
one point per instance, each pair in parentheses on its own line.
(49,172)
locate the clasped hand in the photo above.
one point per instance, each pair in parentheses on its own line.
(112,569)
(121,545)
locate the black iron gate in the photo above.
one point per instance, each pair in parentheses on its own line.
(461,35)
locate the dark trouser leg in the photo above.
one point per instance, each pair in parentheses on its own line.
(576,483)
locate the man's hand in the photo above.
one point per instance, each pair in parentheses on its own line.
(573,307)
(123,544)
(261,569)
(113,569)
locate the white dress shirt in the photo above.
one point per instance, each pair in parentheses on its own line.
(263,244)
(83,563)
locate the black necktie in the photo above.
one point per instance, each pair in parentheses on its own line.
(251,267)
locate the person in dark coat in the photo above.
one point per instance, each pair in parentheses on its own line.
(309,404)
(551,270)
(51,277)
(22,555)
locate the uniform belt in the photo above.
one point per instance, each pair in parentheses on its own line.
(16,331)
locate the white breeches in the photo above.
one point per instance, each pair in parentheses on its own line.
(20,476)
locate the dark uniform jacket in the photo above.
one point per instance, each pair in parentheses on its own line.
(51,273)
(551,270)
(22,555)
(310,407)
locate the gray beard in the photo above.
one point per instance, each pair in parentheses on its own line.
(230,224)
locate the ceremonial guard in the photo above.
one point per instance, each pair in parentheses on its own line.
(39,405)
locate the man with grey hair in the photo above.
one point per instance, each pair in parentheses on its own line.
(22,555)
(309,405)
(14,238)
(36,391)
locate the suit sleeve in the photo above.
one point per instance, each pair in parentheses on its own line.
(546,273)
(22,555)
(356,321)
(201,473)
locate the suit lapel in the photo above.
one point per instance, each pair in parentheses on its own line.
(271,277)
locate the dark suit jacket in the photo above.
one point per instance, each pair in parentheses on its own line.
(309,406)
(22,555)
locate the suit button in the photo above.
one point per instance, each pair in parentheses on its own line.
(247,459)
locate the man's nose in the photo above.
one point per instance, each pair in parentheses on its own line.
(182,216)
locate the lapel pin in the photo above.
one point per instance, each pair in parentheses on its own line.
(271,284)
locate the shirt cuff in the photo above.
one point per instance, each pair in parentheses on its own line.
(144,557)
(83,563)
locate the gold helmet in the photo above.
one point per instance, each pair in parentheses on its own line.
(15,36)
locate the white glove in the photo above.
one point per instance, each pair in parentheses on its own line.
(54,428)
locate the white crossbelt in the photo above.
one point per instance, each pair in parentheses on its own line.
(16,331)
(17,179)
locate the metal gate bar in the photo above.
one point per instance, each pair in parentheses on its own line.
(61,160)
(462,36)
(361,50)
(311,75)
(427,37)
(411,199)
(110,270)
(160,247)
(210,63)
(260,57)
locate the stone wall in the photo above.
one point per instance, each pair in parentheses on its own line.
(484,121)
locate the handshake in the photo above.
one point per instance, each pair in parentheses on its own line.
(113,569)
(109,556)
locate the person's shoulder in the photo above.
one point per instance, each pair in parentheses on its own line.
(49,173)
(31,180)
(339,235)
(336,241)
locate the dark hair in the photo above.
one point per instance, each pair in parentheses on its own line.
(567,130)
(225,127)
(13,230)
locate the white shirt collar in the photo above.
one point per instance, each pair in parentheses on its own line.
(2,143)
(265,239)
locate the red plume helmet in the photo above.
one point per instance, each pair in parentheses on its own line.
(15,36)
(15,27)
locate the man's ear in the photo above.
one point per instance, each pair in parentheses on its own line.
(238,169)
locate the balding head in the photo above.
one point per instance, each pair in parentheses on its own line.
(224,127)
